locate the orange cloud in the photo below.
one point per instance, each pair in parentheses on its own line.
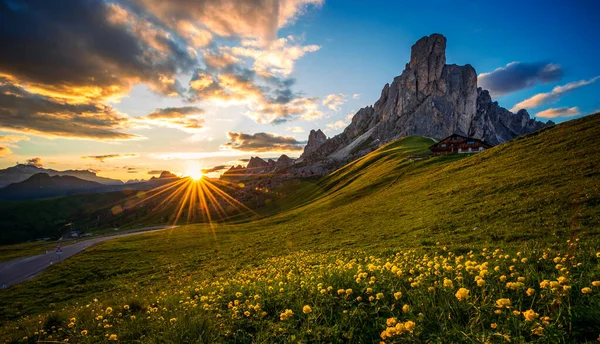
(13,138)
(559,112)
(26,112)
(557,92)
(186,118)
(4,151)
(262,142)
(102,158)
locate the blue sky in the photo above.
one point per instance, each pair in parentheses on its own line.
(350,49)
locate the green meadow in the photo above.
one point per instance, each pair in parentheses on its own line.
(398,246)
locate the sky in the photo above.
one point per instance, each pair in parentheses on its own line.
(129,88)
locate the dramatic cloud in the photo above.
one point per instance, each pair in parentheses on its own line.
(333,101)
(22,111)
(557,92)
(102,158)
(67,60)
(186,118)
(4,151)
(153,172)
(37,162)
(516,76)
(356,96)
(559,112)
(238,18)
(295,129)
(262,142)
(88,50)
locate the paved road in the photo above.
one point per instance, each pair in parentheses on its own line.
(21,269)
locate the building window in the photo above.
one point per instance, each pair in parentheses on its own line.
(471,142)
(443,145)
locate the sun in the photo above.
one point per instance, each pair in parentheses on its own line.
(194,171)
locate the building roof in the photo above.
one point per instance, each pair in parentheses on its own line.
(488,145)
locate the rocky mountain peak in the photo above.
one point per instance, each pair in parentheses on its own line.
(430,98)
(315,139)
(427,59)
(256,162)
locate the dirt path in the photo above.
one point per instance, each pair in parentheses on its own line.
(21,269)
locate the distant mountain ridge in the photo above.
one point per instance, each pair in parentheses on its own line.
(429,98)
(22,172)
(44,185)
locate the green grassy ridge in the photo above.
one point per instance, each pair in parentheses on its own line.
(537,190)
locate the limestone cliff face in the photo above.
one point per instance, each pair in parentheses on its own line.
(429,98)
(316,138)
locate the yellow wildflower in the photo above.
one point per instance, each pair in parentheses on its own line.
(494,325)
(596,284)
(84,332)
(586,290)
(306,309)
(172,320)
(108,310)
(503,303)
(379,296)
(405,308)
(113,337)
(530,315)
(480,283)
(391,322)
(398,294)
(530,291)
(462,294)
(286,315)
(448,283)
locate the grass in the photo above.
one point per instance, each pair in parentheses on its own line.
(394,205)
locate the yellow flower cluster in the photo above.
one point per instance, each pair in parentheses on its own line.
(396,328)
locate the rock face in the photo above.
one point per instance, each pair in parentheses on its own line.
(257,166)
(315,140)
(430,98)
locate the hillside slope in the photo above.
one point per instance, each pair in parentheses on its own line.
(529,195)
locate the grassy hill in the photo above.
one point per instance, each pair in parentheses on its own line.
(398,218)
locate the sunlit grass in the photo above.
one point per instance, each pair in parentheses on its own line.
(487,295)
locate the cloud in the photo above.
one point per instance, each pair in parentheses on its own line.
(76,58)
(295,129)
(13,138)
(94,50)
(333,101)
(25,112)
(37,162)
(336,125)
(266,112)
(356,96)
(557,92)
(516,76)
(262,142)
(559,112)
(277,57)
(153,172)
(218,168)
(186,118)
(269,98)
(4,151)
(102,158)
(230,18)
